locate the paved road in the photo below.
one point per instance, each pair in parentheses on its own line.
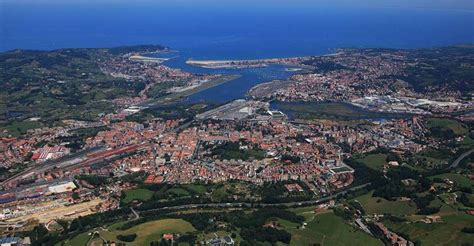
(460,158)
(259,205)
(15,224)
(137,216)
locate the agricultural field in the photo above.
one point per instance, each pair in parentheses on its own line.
(431,158)
(444,209)
(448,198)
(446,232)
(149,231)
(374,161)
(79,240)
(429,162)
(329,229)
(378,205)
(447,124)
(458,179)
(468,141)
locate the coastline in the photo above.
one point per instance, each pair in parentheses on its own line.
(142,58)
(216,64)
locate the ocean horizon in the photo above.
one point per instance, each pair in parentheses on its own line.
(216,31)
(220,33)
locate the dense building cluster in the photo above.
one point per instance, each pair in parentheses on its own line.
(370,79)
(57,172)
(258,149)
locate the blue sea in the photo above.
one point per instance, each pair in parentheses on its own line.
(220,31)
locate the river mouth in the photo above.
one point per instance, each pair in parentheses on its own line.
(250,77)
(233,89)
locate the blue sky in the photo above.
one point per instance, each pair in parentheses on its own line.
(439,4)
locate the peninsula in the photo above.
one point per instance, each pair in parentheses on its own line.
(245,63)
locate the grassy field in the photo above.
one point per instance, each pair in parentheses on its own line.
(177,192)
(214,191)
(150,231)
(448,198)
(374,161)
(468,141)
(430,162)
(196,188)
(79,240)
(329,229)
(137,194)
(455,126)
(220,192)
(460,180)
(447,232)
(19,128)
(445,209)
(377,205)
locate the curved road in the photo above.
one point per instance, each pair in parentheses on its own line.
(460,158)
(137,216)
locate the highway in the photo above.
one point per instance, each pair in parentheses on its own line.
(460,158)
(137,216)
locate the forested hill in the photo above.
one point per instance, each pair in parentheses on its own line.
(425,70)
(62,83)
(451,67)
